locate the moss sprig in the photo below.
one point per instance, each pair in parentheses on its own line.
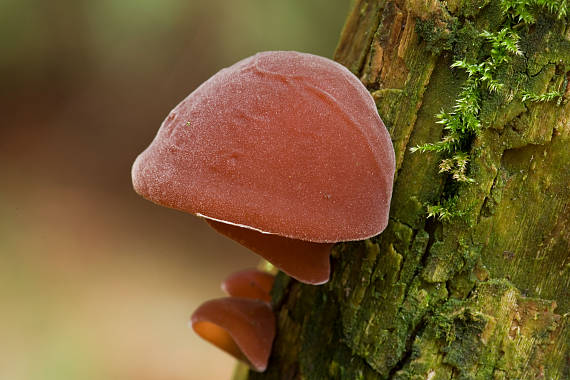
(457,167)
(521,10)
(447,210)
(546,97)
(462,124)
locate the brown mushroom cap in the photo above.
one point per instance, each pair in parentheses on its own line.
(284,143)
(249,283)
(242,327)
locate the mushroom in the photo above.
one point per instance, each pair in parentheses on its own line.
(242,327)
(283,152)
(249,283)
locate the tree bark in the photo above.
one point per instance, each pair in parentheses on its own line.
(481,296)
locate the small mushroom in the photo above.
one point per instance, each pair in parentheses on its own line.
(249,283)
(283,152)
(244,328)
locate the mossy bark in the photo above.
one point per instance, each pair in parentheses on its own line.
(485,296)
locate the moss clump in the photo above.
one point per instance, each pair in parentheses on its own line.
(466,8)
(438,35)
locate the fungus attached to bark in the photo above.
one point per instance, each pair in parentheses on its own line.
(242,327)
(249,283)
(304,260)
(283,152)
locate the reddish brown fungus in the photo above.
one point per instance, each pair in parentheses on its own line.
(303,260)
(249,283)
(283,145)
(242,327)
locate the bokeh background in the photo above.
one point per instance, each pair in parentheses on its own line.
(95,282)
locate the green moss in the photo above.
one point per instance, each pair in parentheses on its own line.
(466,8)
(485,337)
(438,35)
(315,359)
(533,173)
(413,256)
(462,332)
(443,261)
(527,10)
(468,42)
(485,98)
(447,210)
(386,101)
(462,284)
(420,186)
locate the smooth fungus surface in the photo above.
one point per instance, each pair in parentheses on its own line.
(282,142)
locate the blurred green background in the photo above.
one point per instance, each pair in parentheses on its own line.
(95,282)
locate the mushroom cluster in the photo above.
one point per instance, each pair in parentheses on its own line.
(283,152)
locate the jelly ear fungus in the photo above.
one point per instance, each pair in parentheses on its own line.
(283,152)
(249,283)
(242,327)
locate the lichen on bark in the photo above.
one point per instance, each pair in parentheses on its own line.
(485,296)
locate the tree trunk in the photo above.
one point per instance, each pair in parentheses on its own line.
(479,289)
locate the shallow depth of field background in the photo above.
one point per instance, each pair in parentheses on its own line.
(95,282)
